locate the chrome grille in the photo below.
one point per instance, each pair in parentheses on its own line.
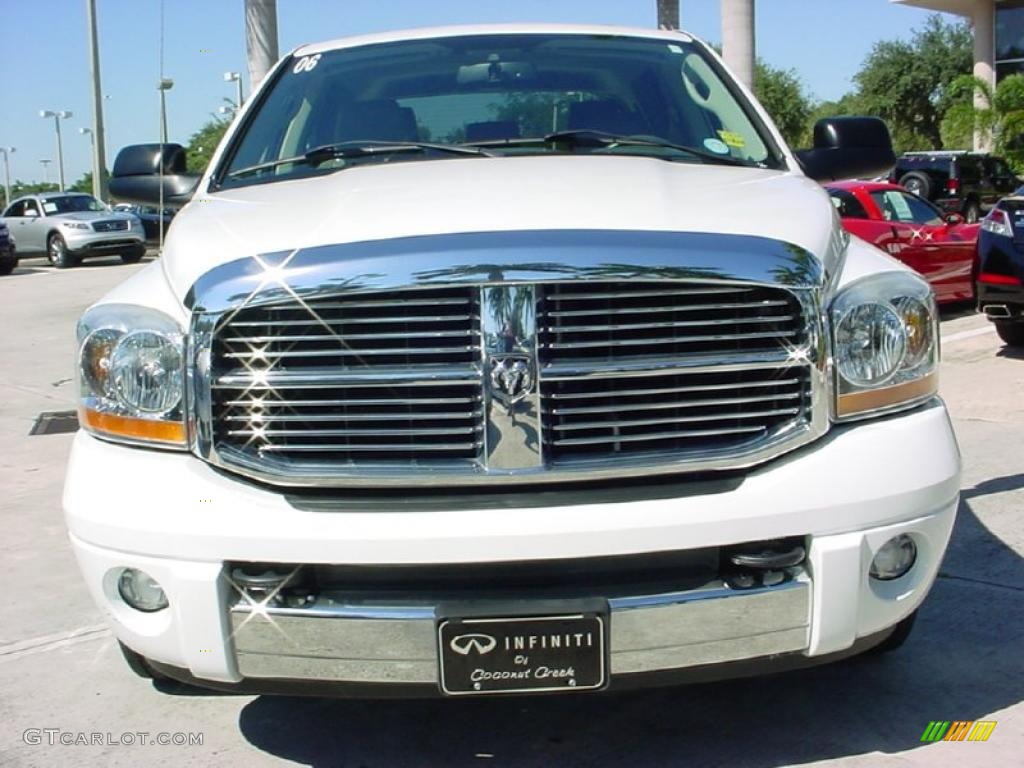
(116,225)
(386,377)
(399,386)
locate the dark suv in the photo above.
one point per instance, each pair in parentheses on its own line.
(968,183)
(1001,268)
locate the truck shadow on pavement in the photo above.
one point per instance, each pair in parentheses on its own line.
(962,662)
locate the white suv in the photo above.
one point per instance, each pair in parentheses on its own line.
(508,359)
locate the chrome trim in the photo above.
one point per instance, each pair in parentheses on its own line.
(386,643)
(511,385)
(497,258)
(502,264)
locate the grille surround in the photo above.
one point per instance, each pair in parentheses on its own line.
(470,467)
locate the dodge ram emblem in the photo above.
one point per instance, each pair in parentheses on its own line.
(511,377)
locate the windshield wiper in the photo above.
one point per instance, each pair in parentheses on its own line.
(587,137)
(354,149)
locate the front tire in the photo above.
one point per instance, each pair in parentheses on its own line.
(57,252)
(7,266)
(1012,334)
(133,257)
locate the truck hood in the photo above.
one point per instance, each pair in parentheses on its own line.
(454,196)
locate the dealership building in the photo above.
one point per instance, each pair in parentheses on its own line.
(998,33)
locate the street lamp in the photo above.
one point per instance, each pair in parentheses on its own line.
(7,174)
(236,78)
(57,117)
(46,170)
(164,86)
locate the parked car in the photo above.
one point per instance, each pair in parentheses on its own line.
(68,227)
(940,246)
(1001,272)
(8,254)
(436,392)
(968,183)
(151,216)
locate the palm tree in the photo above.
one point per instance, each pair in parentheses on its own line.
(668,14)
(997,114)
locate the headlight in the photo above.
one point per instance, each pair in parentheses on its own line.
(131,365)
(75,225)
(885,343)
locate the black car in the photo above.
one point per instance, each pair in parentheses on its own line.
(151,218)
(8,254)
(1001,268)
(968,183)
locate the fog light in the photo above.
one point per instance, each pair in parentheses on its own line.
(141,591)
(894,559)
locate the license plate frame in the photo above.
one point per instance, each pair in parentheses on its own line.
(478,656)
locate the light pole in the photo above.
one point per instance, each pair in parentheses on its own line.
(236,78)
(164,86)
(57,117)
(46,170)
(99,159)
(7,174)
(92,144)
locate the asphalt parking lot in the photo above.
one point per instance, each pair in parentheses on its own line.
(60,667)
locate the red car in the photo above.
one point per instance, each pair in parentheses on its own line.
(940,246)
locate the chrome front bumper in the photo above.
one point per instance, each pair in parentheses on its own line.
(398,644)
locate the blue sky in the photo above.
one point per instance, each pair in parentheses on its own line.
(43,53)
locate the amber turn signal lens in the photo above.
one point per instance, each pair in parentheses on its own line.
(169,432)
(875,399)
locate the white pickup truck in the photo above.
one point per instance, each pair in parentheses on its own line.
(508,359)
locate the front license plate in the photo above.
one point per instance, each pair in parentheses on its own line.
(522,655)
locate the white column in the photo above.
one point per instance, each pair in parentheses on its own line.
(738,48)
(984,21)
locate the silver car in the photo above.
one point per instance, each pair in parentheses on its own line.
(70,226)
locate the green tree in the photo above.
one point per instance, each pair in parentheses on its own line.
(782,94)
(1000,114)
(202,144)
(907,83)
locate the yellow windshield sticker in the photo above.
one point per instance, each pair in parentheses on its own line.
(733,139)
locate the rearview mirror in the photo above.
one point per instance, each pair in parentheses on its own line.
(848,148)
(144,172)
(953,219)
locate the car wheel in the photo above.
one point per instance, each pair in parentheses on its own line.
(1012,334)
(7,266)
(917,184)
(57,253)
(133,257)
(897,638)
(972,213)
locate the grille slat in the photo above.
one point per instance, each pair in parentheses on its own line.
(575,427)
(661,436)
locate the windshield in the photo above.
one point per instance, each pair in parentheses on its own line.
(502,92)
(71,204)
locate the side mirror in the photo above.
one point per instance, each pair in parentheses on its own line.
(953,219)
(31,213)
(848,148)
(137,175)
